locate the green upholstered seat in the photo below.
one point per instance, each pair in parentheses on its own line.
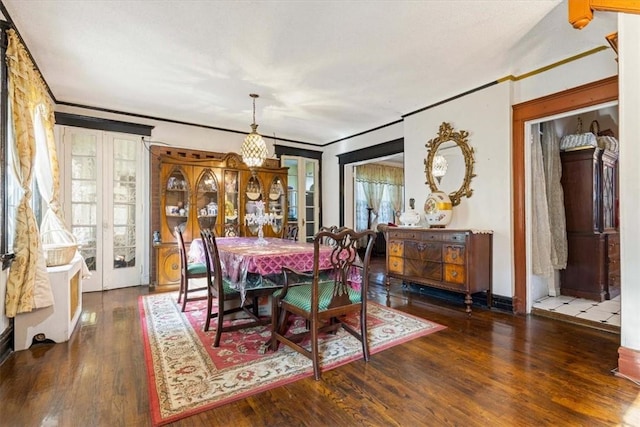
(197,268)
(300,295)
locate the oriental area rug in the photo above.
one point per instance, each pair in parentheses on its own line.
(187,375)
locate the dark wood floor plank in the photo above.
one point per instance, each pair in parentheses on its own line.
(490,368)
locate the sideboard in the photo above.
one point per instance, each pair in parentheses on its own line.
(454,260)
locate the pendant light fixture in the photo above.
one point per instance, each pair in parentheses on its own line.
(254,149)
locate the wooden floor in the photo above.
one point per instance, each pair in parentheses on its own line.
(490,369)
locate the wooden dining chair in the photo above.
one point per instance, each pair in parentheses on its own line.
(188,271)
(229,299)
(290,232)
(324,300)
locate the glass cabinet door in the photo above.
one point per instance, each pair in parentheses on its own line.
(277,202)
(231,224)
(207,201)
(253,193)
(177,202)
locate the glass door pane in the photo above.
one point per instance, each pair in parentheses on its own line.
(207,201)
(124,203)
(84,197)
(231,224)
(311,198)
(304,198)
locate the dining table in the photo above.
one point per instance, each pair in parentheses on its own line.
(248,263)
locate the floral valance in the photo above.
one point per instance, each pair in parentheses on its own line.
(380,174)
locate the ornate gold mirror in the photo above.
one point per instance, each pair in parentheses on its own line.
(449,163)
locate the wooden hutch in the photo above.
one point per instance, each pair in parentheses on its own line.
(194,190)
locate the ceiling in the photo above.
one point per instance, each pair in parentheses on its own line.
(324,70)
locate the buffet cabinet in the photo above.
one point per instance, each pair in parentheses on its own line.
(195,190)
(454,260)
(590,186)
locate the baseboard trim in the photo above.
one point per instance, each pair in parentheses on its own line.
(629,364)
(479,299)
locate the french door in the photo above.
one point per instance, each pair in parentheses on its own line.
(303,195)
(102,204)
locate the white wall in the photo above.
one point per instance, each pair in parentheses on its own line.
(331,169)
(629,49)
(486,115)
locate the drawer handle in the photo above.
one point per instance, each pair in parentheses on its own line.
(395,263)
(454,274)
(454,256)
(174,266)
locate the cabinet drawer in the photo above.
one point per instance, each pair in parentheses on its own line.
(404,234)
(423,269)
(454,254)
(455,237)
(396,248)
(430,235)
(454,273)
(396,265)
(424,251)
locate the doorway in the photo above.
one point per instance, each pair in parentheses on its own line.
(582,285)
(588,96)
(102,201)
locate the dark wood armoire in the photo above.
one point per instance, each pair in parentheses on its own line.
(590,184)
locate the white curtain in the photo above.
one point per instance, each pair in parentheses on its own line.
(549,234)
(541,234)
(375,181)
(555,195)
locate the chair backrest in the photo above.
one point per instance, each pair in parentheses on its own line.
(327,240)
(212,261)
(344,259)
(181,248)
(290,232)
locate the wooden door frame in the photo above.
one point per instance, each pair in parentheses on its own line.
(595,93)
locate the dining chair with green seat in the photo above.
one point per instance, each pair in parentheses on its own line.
(324,300)
(221,289)
(188,271)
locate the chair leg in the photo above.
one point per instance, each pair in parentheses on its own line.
(274,324)
(363,333)
(256,306)
(185,294)
(209,306)
(314,349)
(220,319)
(180,289)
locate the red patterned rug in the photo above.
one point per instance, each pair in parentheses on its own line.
(187,375)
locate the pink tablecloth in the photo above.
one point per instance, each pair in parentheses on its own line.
(241,255)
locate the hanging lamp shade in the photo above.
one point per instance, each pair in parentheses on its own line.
(254,149)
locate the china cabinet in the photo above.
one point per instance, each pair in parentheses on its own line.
(589,180)
(196,190)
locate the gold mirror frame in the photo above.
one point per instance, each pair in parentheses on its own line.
(446,134)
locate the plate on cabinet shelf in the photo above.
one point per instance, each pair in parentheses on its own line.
(274,196)
(253,196)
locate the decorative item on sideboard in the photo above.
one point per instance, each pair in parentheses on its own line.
(411,217)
